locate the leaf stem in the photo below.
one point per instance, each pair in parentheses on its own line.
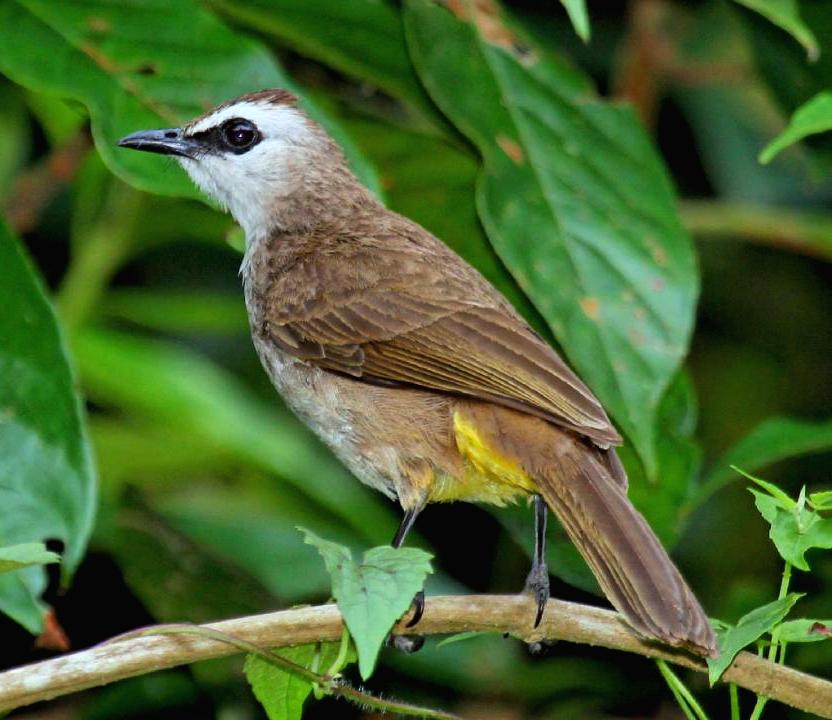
(343,650)
(735,701)
(785,580)
(685,699)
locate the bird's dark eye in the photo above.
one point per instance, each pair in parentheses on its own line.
(240,135)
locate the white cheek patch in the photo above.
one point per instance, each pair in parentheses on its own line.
(250,184)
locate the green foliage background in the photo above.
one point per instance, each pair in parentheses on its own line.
(685,281)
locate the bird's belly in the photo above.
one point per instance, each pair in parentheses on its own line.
(381,434)
(323,402)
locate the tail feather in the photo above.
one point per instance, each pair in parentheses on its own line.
(628,560)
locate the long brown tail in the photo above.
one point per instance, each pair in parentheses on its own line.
(628,560)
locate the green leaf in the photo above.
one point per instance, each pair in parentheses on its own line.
(47,482)
(786,15)
(821,500)
(811,118)
(578,16)
(793,532)
(154,557)
(280,693)
(362,38)
(782,498)
(805,630)
(175,387)
(750,628)
(771,441)
(134,68)
(576,202)
(15,557)
(373,595)
(15,136)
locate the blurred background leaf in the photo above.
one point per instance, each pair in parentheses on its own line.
(47,481)
(160,77)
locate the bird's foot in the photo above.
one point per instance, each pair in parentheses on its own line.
(410,643)
(405,643)
(537,583)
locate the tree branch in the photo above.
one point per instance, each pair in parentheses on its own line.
(119,659)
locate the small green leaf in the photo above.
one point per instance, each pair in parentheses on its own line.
(783,500)
(805,630)
(821,500)
(793,532)
(811,118)
(373,595)
(280,693)
(576,10)
(14,557)
(751,627)
(786,15)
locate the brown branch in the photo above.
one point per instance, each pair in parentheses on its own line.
(122,659)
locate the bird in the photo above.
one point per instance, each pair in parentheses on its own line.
(415,371)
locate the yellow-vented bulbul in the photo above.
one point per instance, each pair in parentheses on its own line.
(417,373)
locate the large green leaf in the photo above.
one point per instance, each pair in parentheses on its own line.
(168,384)
(139,65)
(47,483)
(363,38)
(575,201)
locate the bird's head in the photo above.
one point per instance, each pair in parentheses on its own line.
(259,156)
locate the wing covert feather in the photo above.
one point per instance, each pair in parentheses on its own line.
(412,318)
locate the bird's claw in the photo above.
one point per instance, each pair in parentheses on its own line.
(418,608)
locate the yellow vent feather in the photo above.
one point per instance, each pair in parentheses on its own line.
(489,477)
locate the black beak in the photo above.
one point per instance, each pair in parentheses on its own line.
(164,142)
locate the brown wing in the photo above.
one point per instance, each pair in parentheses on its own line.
(418,319)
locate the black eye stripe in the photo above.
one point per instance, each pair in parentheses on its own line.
(236,135)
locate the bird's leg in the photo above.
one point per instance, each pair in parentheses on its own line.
(407,523)
(537,581)
(407,643)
